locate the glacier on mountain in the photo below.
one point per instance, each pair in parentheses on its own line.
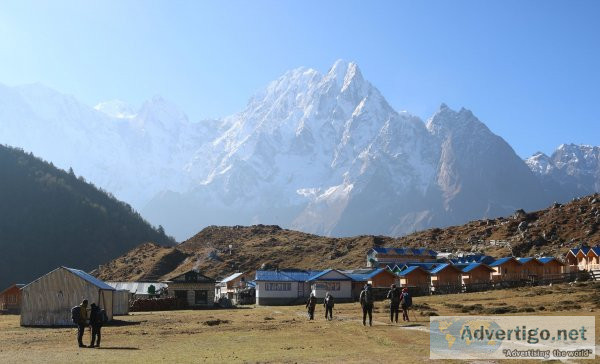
(319,152)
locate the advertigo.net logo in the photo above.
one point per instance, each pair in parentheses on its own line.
(516,337)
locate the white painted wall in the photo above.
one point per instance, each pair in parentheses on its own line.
(344,292)
(261,292)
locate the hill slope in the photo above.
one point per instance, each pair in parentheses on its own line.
(546,232)
(49,217)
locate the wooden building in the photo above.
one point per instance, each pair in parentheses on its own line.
(571,259)
(531,268)
(476,273)
(552,268)
(48,300)
(380,257)
(417,277)
(193,288)
(506,269)
(10,299)
(379,278)
(445,277)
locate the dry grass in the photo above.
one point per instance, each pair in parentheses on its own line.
(275,334)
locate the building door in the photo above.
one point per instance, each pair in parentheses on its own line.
(201,297)
(300,289)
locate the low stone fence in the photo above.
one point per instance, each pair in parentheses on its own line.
(157,304)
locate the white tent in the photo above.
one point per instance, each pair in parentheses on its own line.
(48,300)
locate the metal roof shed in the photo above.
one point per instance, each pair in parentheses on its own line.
(48,300)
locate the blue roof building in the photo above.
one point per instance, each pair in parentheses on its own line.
(381,257)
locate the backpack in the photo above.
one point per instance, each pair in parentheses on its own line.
(103,317)
(368,296)
(76,314)
(407,299)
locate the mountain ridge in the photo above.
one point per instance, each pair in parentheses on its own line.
(319,152)
(220,250)
(50,217)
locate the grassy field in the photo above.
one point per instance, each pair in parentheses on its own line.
(282,334)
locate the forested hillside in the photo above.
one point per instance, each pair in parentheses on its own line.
(49,217)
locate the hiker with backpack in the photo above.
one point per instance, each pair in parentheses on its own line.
(310,305)
(98,318)
(79,315)
(406,302)
(328,303)
(394,297)
(366,301)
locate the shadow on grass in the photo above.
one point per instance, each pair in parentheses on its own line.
(113,323)
(413,325)
(118,323)
(117,348)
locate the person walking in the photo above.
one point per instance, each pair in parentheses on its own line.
(406,302)
(394,297)
(328,303)
(366,301)
(80,318)
(310,305)
(97,319)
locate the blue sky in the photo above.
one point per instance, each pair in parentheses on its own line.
(529,69)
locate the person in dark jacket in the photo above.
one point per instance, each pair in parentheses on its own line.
(366,301)
(394,297)
(328,304)
(82,322)
(405,302)
(96,322)
(310,305)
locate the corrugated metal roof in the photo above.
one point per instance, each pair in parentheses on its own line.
(501,261)
(405,251)
(321,274)
(136,287)
(524,260)
(361,275)
(231,277)
(472,266)
(473,258)
(410,269)
(596,250)
(91,279)
(546,260)
(439,268)
(426,266)
(284,275)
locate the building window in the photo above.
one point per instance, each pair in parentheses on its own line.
(332,286)
(201,297)
(12,299)
(279,286)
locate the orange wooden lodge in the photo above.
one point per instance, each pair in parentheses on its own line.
(583,258)
(10,299)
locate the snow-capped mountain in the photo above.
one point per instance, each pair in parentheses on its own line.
(133,155)
(571,171)
(325,153)
(319,152)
